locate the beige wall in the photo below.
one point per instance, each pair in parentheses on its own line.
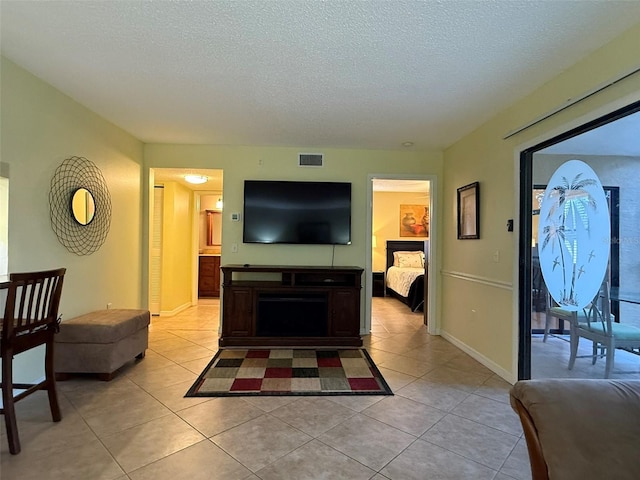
(479,296)
(40,128)
(177,248)
(240,163)
(386,221)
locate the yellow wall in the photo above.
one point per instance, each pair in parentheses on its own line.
(479,296)
(386,221)
(40,128)
(177,248)
(240,163)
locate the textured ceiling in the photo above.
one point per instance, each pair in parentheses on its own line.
(305,73)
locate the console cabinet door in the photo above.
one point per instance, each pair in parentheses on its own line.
(209,276)
(238,312)
(345,313)
(216,276)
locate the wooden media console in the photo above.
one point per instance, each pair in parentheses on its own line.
(267,305)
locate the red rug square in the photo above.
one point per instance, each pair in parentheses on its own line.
(246,384)
(278,373)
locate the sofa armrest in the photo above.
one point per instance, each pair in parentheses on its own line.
(580,428)
(536,457)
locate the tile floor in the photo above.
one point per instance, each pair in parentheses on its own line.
(551,360)
(449,418)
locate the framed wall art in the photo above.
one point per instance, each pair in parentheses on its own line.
(414,221)
(469,212)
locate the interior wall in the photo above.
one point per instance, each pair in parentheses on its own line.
(177,251)
(4,225)
(386,221)
(281,163)
(41,127)
(480,277)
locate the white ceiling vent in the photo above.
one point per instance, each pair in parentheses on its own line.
(310,159)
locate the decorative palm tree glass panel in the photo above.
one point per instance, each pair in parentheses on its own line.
(574,235)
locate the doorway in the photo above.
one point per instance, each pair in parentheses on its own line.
(610,145)
(178,234)
(390,199)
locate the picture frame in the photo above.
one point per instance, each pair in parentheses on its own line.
(414,221)
(469,212)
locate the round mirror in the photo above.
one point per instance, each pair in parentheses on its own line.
(83,206)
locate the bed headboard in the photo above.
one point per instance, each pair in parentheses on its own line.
(405,246)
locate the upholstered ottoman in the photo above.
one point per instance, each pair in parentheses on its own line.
(100,342)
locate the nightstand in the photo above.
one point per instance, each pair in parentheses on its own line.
(378,284)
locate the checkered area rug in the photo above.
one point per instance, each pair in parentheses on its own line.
(286,371)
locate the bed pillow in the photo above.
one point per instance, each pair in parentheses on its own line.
(408,259)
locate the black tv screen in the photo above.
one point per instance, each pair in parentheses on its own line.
(297,212)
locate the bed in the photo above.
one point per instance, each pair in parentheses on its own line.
(405,278)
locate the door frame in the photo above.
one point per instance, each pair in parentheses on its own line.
(523,263)
(433,323)
(195,235)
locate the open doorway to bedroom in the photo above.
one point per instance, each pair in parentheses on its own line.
(402,226)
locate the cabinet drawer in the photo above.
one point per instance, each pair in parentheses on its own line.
(209,276)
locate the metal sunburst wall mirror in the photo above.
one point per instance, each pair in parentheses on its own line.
(80,206)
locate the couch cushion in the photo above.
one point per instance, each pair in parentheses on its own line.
(587,428)
(103,326)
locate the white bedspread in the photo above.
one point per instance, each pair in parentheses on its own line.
(400,279)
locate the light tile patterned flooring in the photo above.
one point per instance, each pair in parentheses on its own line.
(551,360)
(449,418)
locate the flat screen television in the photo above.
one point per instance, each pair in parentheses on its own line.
(297,212)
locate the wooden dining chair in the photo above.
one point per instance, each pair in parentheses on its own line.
(30,319)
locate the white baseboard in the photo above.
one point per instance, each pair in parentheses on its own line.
(490,364)
(175,311)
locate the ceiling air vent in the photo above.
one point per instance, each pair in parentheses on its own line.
(310,159)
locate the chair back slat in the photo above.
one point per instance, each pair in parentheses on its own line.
(599,315)
(30,320)
(32,301)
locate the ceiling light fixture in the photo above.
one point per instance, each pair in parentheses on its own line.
(196,179)
(407,144)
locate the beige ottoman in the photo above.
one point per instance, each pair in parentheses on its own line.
(100,342)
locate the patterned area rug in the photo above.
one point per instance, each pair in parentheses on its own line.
(286,371)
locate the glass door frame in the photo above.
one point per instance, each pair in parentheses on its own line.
(526,230)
